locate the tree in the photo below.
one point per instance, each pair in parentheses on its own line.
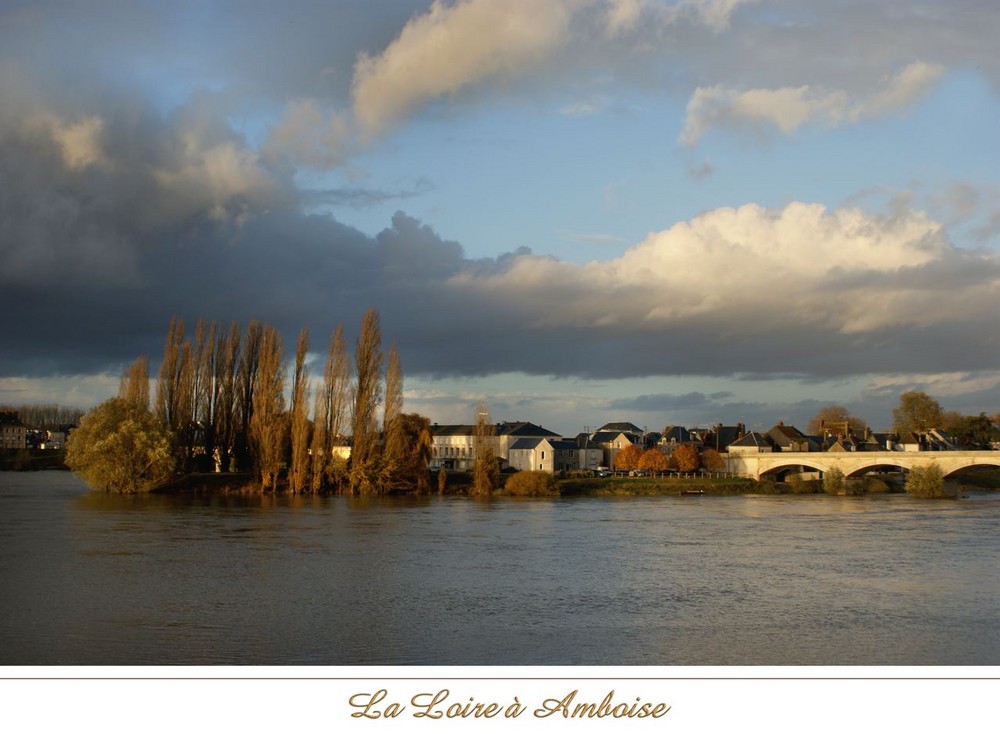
(687,457)
(411,471)
(834,418)
(224,424)
(927,481)
(917,411)
(298,470)
(134,385)
(120,446)
(367,396)
(628,458)
(976,432)
(486,469)
(654,460)
(331,411)
(246,382)
(268,425)
(394,455)
(712,460)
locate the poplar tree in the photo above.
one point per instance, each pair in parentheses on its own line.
(246,381)
(134,385)
(298,470)
(394,456)
(224,426)
(167,379)
(331,410)
(486,469)
(366,397)
(268,423)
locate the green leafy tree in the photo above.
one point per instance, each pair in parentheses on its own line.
(120,446)
(917,411)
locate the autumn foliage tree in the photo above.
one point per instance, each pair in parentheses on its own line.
(628,458)
(654,460)
(686,457)
(712,460)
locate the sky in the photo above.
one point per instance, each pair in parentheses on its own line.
(577,211)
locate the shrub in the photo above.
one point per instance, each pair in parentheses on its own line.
(927,481)
(121,447)
(833,481)
(531,484)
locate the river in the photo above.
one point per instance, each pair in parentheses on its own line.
(89,578)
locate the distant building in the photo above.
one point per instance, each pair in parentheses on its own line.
(752,443)
(13,433)
(544,454)
(790,438)
(453,447)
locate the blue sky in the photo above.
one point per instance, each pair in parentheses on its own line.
(576,210)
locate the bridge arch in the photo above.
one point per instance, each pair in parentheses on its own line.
(781,471)
(952,473)
(877,468)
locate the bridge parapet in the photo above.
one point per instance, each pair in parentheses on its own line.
(856,463)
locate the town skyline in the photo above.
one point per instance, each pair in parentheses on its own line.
(684,212)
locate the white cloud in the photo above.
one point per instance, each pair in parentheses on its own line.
(309,136)
(755,270)
(451,48)
(789,108)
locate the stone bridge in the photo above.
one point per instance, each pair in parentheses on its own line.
(855,463)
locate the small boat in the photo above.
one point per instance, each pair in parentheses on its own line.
(693,491)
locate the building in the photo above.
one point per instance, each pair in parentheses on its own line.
(752,443)
(453,447)
(13,433)
(544,454)
(790,438)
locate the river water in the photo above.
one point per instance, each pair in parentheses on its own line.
(89,578)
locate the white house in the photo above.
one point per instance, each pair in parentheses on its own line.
(544,454)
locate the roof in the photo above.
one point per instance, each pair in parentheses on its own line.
(607,436)
(522,428)
(516,428)
(622,427)
(754,439)
(677,434)
(453,430)
(526,444)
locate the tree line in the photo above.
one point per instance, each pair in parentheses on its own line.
(220,403)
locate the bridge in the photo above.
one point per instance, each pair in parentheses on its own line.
(855,463)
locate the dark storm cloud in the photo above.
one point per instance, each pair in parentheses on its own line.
(121,207)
